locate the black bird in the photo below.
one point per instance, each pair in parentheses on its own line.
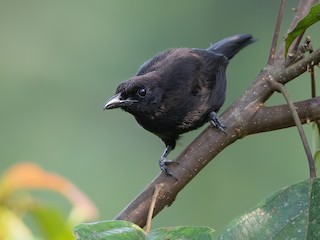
(179,90)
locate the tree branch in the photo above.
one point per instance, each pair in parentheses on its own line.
(276,33)
(246,116)
(278,117)
(266,119)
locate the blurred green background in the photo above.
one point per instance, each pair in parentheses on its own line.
(60,62)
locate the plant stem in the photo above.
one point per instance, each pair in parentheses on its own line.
(280,87)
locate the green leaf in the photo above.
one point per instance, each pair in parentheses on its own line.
(311,18)
(51,223)
(122,230)
(119,230)
(291,213)
(185,233)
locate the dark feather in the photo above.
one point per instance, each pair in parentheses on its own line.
(177,90)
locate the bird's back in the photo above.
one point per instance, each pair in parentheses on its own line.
(180,88)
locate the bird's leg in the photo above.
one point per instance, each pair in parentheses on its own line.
(215,121)
(164,162)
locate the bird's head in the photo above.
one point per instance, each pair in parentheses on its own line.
(153,89)
(140,94)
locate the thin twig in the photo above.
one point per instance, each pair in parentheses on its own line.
(280,87)
(314,91)
(297,43)
(157,190)
(312,71)
(301,11)
(313,82)
(276,33)
(309,47)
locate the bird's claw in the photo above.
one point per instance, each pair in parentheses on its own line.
(164,166)
(215,121)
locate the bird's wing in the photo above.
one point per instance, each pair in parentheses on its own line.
(153,63)
(212,73)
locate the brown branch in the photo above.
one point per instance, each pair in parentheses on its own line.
(246,116)
(314,89)
(239,119)
(276,33)
(266,119)
(302,10)
(278,117)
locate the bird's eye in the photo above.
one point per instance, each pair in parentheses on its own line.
(142,91)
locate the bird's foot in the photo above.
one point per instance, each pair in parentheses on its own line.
(164,166)
(215,121)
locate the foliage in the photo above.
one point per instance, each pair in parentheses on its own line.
(16,202)
(291,213)
(126,230)
(311,18)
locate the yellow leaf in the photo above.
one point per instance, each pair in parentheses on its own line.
(30,176)
(12,227)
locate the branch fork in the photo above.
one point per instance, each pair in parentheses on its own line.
(248,115)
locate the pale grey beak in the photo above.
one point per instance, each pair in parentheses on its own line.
(116,102)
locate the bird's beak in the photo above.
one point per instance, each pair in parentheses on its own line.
(116,102)
(113,102)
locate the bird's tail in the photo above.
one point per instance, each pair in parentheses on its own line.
(230,46)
